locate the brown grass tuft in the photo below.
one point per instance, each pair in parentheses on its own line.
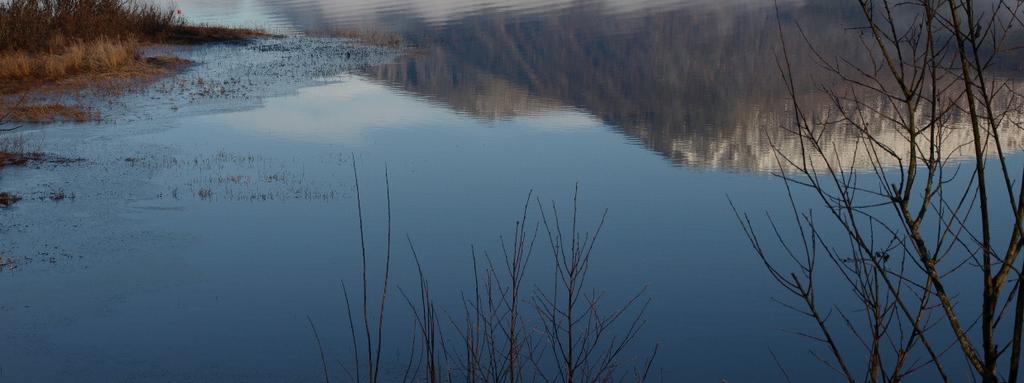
(105,66)
(12,159)
(14,150)
(8,199)
(97,56)
(50,112)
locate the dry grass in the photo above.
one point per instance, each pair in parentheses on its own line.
(15,150)
(12,159)
(8,199)
(33,25)
(80,65)
(50,112)
(59,46)
(50,26)
(96,56)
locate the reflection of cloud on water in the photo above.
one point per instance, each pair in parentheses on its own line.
(753,148)
(465,88)
(563,119)
(340,112)
(344,112)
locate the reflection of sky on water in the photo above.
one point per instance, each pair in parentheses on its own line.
(459,180)
(219,288)
(344,113)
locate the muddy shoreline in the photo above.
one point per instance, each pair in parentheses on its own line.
(98,164)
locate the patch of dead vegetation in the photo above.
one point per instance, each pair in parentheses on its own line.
(108,76)
(65,46)
(8,199)
(60,195)
(205,193)
(50,112)
(14,150)
(7,263)
(204,34)
(32,25)
(67,58)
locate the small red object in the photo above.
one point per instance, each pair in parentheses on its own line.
(179,11)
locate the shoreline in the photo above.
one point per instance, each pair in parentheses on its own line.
(38,98)
(219,77)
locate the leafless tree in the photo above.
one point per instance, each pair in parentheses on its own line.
(928,199)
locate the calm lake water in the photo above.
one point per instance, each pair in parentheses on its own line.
(199,241)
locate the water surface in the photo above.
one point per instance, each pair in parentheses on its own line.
(199,240)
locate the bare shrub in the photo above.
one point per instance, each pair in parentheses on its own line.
(508,331)
(920,220)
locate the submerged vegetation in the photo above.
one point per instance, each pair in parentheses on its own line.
(13,151)
(61,45)
(506,329)
(18,150)
(8,199)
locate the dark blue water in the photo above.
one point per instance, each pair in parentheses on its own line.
(201,257)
